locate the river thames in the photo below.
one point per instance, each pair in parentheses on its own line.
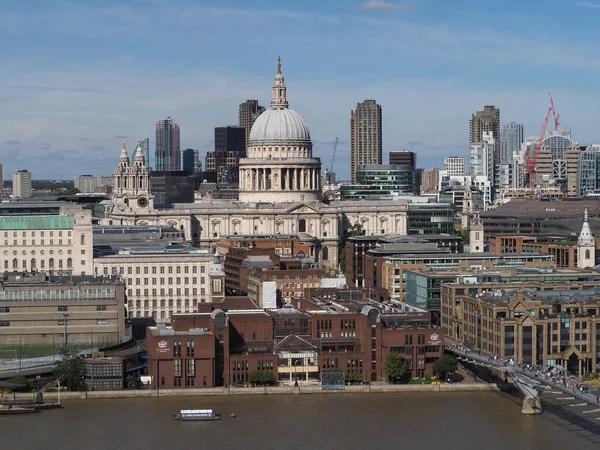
(465,421)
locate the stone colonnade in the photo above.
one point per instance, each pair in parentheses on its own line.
(280,179)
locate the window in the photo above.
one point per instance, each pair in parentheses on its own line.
(4,309)
(101,322)
(100,307)
(302,225)
(4,323)
(177,366)
(191,368)
(63,308)
(82,239)
(177,348)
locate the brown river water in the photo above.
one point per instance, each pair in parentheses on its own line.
(465,421)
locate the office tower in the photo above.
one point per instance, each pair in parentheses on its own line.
(247,114)
(86,183)
(166,154)
(22,184)
(454,165)
(481,156)
(511,139)
(486,120)
(429,181)
(191,161)
(230,146)
(403,158)
(146,150)
(365,132)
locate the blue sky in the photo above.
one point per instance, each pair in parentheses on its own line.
(78,77)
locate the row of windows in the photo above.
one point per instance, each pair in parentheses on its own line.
(98,322)
(163,291)
(52,264)
(33,242)
(155,281)
(154,270)
(42,234)
(66,308)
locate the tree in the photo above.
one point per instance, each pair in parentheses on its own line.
(22,383)
(262,378)
(396,369)
(71,371)
(132,382)
(445,365)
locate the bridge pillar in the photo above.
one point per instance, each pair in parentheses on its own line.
(532,405)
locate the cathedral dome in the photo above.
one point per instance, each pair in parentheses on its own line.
(279,125)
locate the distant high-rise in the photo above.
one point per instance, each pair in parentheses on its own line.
(191,161)
(403,158)
(230,146)
(486,120)
(365,132)
(167,153)
(146,150)
(430,181)
(454,165)
(247,114)
(511,139)
(1,180)
(22,184)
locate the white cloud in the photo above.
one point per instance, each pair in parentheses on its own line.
(380,5)
(589,4)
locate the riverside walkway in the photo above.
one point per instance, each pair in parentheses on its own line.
(534,380)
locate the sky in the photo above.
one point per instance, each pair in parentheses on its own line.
(79,77)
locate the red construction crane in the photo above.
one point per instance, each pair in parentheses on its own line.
(532,160)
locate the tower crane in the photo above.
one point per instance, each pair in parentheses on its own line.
(532,160)
(335,145)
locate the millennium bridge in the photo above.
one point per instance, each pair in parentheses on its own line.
(533,381)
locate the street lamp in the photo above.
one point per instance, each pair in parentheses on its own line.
(65,315)
(296,370)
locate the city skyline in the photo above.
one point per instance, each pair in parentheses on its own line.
(87,70)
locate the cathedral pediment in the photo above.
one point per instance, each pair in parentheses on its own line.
(302,208)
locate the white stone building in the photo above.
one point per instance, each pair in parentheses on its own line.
(279,193)
(161,283)
(48,243)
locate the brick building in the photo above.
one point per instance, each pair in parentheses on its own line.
(334,330)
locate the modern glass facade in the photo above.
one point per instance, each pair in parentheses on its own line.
(589,171)
(378,180)
(430,218)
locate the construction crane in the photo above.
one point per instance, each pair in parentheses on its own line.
(532,160)
(335,145)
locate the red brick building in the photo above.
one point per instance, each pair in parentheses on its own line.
(224,343)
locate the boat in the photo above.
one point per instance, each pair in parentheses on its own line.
(5,410)
(196,414)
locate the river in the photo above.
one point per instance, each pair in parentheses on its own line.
(465,421)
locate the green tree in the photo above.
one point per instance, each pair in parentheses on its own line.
(71,371)
(262,378)
(132,382)
(396,369)
(445,365)
(22,382)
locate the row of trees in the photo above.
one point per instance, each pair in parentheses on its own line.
(398,371)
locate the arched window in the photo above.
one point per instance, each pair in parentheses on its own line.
(325,253)
(587,254)
(82,239)
(69,263)
(51,263)
(15,263)
(33,264)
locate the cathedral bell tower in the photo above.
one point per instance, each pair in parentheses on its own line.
(131,192)
(586,245)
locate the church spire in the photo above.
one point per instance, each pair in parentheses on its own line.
(585,237)
(279,98)
(124,156)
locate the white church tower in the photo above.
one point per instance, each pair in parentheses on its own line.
(476,234)
(131,187)
(586,245)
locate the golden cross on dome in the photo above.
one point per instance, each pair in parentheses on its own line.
(124,145)
(279,64)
